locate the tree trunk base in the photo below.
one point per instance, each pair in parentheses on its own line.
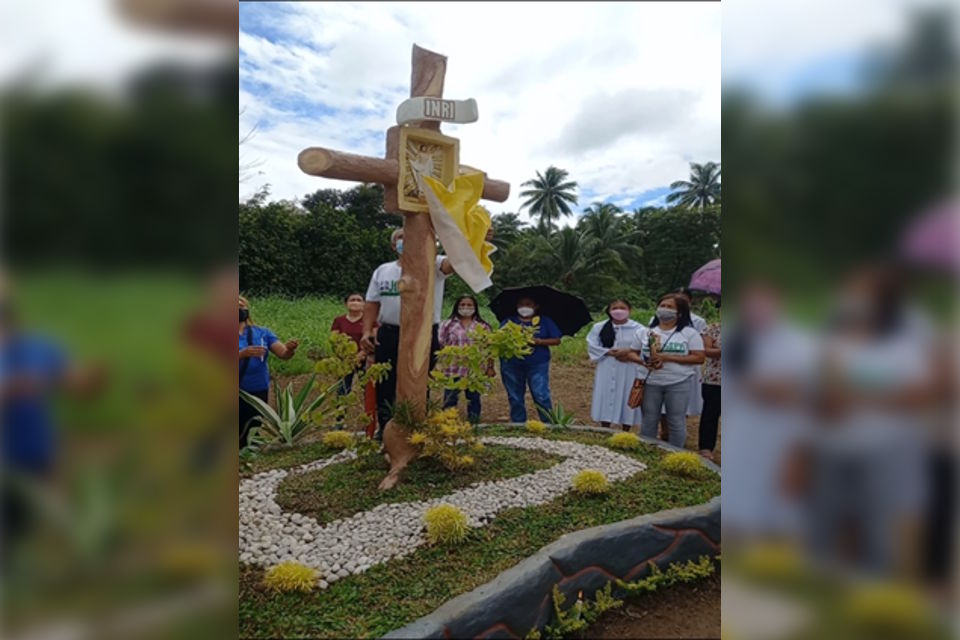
(400,453)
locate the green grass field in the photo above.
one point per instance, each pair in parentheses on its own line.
(308,320)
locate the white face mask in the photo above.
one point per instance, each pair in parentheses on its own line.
(525,312)
(666,314)
(466,312)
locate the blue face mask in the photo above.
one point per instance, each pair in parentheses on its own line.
(400,246)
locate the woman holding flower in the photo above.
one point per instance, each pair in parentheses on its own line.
(457,331)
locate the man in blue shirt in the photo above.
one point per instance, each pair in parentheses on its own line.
(534,369)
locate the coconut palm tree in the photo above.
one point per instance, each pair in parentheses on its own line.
(507,228)
(575,262)
(549,196)
(702,190)
(603,225)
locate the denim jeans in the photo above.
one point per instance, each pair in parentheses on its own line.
(517,375)
(674,397)
(451,396)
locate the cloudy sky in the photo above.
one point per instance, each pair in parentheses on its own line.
(622,95)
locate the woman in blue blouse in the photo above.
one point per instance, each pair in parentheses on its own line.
(255,345)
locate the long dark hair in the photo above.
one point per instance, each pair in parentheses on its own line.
(607,335)
(683,311)
(476,309)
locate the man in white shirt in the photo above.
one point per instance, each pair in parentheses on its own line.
(383,303)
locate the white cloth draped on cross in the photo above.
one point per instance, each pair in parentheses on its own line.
(462,225)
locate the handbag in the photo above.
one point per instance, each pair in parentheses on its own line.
(635,399)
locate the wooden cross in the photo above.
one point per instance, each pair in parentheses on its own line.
(418,261)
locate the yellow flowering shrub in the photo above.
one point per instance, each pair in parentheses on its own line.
(535,426)
(339,439)
(684,463)
(590,482)
(445,524)
(624,440)
(291,576)
(448,438)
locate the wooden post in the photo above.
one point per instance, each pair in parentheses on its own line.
(418,262)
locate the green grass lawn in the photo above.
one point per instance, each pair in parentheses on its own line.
(391,595)
(342,490)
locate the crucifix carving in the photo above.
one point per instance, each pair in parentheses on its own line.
(418,260)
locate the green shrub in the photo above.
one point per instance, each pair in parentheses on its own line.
(685,463)
(590,482)
(624,440)
(446,524)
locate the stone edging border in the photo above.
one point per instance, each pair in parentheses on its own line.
(520,598)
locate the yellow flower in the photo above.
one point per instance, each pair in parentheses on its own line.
(536,321)
(466,461)
(417,437)
(478,446)
(450,430)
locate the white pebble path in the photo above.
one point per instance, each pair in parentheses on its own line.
(351,545)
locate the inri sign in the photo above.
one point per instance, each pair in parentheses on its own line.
(424,108)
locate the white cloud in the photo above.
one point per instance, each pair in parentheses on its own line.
(87,43)
(621,95)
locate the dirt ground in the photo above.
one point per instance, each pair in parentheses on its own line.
(682,611)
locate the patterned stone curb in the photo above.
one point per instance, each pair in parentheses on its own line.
(520,598)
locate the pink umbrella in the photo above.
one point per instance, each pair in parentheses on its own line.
(934,239)
(707,278)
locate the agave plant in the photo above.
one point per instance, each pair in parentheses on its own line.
(292,420)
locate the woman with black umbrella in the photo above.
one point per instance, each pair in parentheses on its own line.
(534,369)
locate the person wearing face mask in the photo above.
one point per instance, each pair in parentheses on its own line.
(534,369)
(351,324)
(612,382)
(695,402)
(383,306)
(456,331)
(671,353)
(256,343)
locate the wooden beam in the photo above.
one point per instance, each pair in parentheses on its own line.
(318,161)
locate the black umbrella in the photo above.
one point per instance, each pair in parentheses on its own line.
(567,310)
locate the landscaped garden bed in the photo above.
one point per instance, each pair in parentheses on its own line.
(518,500)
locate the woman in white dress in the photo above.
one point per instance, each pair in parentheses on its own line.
(612,382)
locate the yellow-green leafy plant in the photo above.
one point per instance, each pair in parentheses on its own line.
(888,610)
(771,562)
(446,524)
(291,576)
(684,463)
(535,426)
(510,341)
(445,436)
(675,573)
(624,440)
(591,482)
(295,417)
(339,439)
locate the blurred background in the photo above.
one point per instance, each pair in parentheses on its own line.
(841,244)
(118,133)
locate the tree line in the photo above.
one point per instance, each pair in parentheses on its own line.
(330,241)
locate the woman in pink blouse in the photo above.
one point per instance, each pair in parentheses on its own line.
(456,331)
